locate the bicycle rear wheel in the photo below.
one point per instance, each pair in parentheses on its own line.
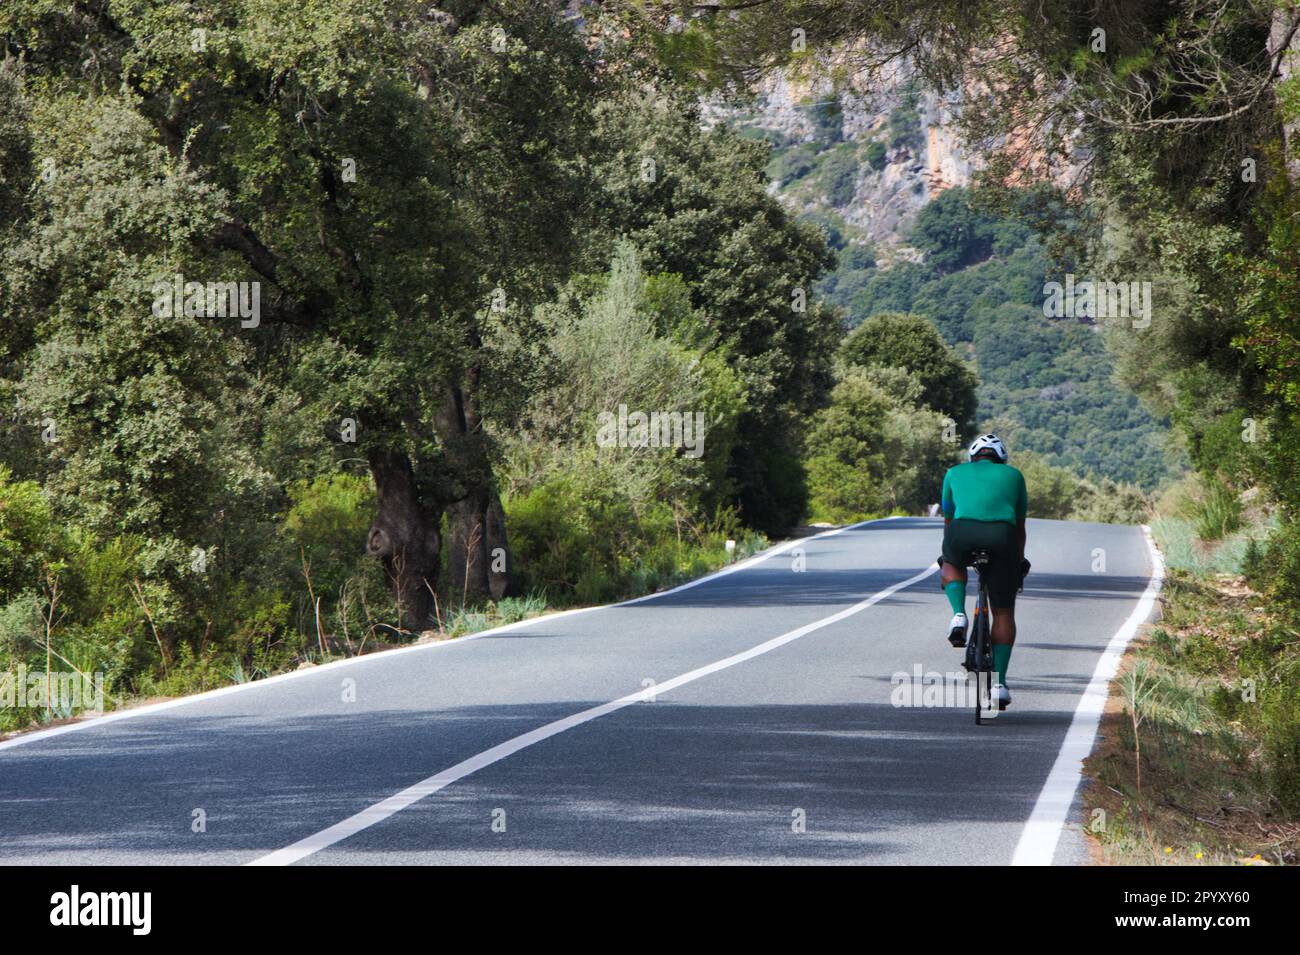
(983,640)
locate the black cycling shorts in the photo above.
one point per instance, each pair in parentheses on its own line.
(998,538)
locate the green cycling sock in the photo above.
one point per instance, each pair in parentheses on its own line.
(956,591)
(1001,657)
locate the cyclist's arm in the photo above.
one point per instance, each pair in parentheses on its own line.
(1022,512)
(946,505)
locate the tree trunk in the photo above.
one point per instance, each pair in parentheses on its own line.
(1280,35)
(405,537)
(477,555)
(478,558)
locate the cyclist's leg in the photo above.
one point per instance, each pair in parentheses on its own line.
(953,581)
(952,578)
(1004,637)
(1004,580)
(952,574)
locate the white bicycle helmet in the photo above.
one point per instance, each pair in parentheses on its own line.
(991,442)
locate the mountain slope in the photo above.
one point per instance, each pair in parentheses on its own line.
(865,169)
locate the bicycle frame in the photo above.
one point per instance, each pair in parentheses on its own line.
(982,647)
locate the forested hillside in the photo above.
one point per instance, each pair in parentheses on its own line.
(977,273)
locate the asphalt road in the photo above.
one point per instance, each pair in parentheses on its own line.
(727,722)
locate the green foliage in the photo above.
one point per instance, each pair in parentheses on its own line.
(325,527)
(1270,303)
(1279,570)
(910,342)
(1229,446)
(789,165)
(626,351)
(951,233)
(838,174)
(1235,646)
(874,450)
(593,514)
(741,253)
(874,154)
(1112,503)
(1217,513)
(1052,379)
(885,290)
(750,266)
(1053,491)
(1203,527)
(581,543)
(28,534)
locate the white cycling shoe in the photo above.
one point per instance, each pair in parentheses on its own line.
(957,630)
(1002,695)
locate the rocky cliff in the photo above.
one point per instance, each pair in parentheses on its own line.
(868,162)
(861,163)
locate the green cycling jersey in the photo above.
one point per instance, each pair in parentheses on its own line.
(985,490)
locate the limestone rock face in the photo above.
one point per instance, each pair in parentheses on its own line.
(918,155)
(898,141)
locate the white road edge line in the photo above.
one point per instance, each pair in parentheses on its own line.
(1037,845)
(152,708)
(427,787)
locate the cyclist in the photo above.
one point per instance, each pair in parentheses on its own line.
(984,507)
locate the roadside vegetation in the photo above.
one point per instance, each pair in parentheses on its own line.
(1200,756)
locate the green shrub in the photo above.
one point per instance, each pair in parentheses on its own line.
(463,621)
(193,671)
(326,525)
(1280,729)
(791,164)
(1053,492)
(28,535)
(874,155)
(1220,449)
(874,450)
(1111,503)
(552,536)
(594,586)
(838,174)
(1279,573)
(911,342)
(578,543)
(103,606)
(514,609)
(1218,512)
(952,232)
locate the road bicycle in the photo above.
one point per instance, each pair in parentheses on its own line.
(979,647)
